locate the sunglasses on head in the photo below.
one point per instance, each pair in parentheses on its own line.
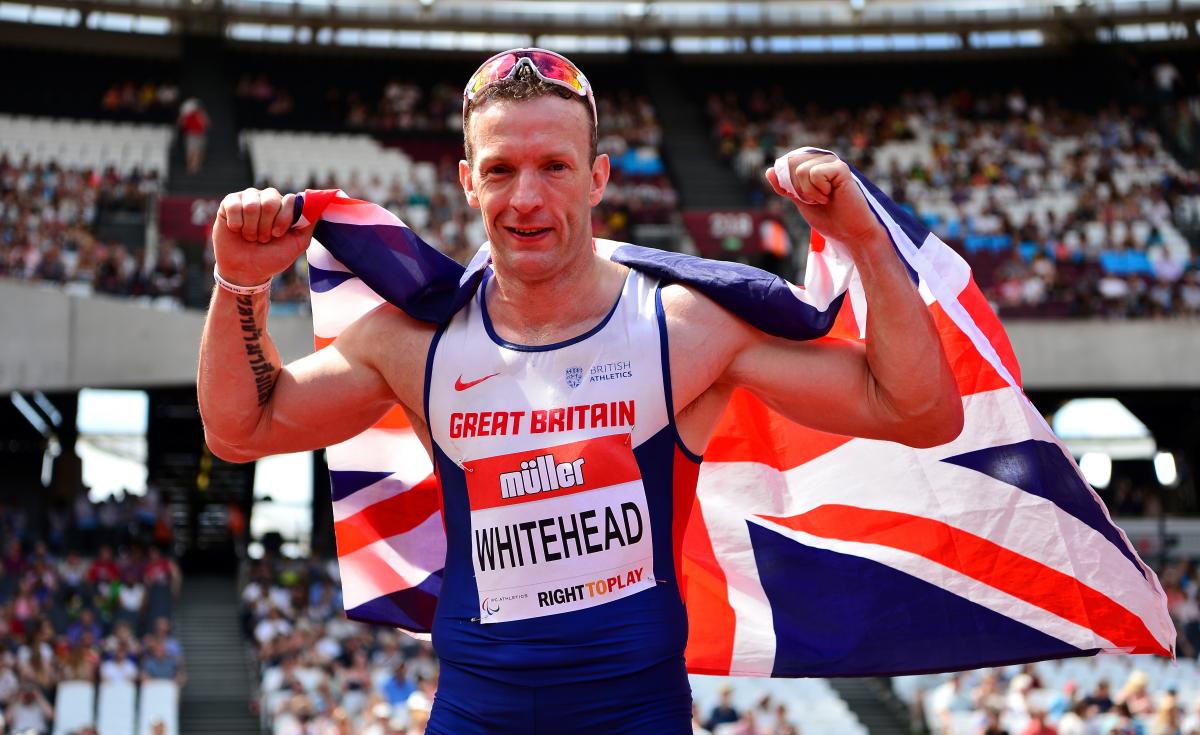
(549,66)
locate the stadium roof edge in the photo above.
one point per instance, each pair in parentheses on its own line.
(1060,22)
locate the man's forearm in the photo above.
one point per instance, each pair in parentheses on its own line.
(904,352)
(239,365)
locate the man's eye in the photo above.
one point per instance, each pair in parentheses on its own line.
(558,167)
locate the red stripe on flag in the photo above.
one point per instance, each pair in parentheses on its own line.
(972,372)
(983,560)
(396,515)
(981,313)
(845,325)
(395,418)
(705,590)
(683,496)
(315,202)
(751,432)
(320,343)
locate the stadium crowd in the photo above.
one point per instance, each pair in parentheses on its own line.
(321,673)
(1061,212)
(91,603)
(1105,695)
(1021,701)
(146,100)
(48,218)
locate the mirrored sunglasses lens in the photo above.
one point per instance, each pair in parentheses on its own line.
(555,67)
(497,68)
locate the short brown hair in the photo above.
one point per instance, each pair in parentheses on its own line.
(525,85)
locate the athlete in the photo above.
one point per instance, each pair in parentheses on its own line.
(566,407)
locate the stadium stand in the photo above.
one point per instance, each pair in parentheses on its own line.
(319,670)
(85,641)
(1074,196)
(1108,694)
(127,148)
(1061,213)
(1064,206)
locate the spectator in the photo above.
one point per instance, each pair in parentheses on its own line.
(1166,719)
(104,570)
(120,667)
(162,630)
(398,687)
(1100,699)
(85,624)
(167,273)
(30,711)
(82,662)
(131,600)
(194,124)
(723,712)
(1038,725)
(158,663)
(1134,695)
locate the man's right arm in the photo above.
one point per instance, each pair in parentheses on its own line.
(251,404)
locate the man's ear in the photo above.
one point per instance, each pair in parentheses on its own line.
(464,178)
(600,172)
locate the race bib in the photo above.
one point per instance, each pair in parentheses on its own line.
(558,529)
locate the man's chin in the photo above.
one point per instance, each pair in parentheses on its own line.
(529,262)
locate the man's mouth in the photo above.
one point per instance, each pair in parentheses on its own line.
(527,231)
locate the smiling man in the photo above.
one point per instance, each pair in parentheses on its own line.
(566,407)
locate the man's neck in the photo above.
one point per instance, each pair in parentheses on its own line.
(557,307)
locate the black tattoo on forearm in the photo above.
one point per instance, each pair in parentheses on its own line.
(263,369)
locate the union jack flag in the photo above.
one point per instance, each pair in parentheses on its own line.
(806,553)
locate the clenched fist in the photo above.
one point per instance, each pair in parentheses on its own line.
(830,199)
(253,238)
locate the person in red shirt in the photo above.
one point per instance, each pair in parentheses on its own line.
(194,124)
(1037,725)
(104,570)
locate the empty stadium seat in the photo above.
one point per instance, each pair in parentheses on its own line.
(116,710)
(158,700)
(86,144)
(74,706)
(287,160)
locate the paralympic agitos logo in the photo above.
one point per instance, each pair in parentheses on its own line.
(489,607)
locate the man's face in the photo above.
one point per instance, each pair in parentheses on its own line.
(533,182)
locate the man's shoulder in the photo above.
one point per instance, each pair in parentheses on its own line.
(387,330)
(687,309)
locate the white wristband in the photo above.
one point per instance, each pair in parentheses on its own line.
(240,290)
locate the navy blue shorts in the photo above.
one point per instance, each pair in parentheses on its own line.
(656,701)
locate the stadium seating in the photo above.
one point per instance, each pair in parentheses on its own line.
(288,160)
(74,706)
(158,701)
(86,144)
(1068,680)
(116,708)
(812,703)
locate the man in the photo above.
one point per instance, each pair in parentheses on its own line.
(565,407)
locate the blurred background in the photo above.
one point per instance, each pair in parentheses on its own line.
(1054,143)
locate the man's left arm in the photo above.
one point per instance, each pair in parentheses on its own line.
(897,386)
(907,392)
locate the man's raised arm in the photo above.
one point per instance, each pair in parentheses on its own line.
(898,386)
(251,404)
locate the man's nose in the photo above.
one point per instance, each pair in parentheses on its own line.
(527,192)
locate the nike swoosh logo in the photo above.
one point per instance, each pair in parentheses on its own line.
(460,385)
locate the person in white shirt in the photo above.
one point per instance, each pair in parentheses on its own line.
(30,711)
(120,668)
